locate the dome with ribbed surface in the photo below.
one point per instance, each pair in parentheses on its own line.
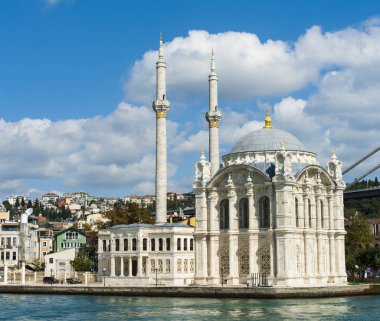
(267,139)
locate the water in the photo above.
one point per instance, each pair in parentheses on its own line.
(93,308)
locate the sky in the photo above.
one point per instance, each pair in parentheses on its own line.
(77,78)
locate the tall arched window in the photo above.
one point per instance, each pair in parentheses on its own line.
(243,213)
(264,212)
(321,207)
(224,215)
(125,244)
(309,211)
(296,210)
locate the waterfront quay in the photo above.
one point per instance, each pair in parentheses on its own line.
(199,292)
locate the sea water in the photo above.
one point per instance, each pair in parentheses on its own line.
(92,308)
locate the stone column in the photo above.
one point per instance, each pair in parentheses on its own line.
(200,258)
(301,212)
(214,235)
(130,266)
(340,255)
(253,232)
(139,266)
(306,211)
(319,213)
(121,266)
(23,273)
(5,273)
(112,266)
(308,254)
(233,235)
(320,255)
(147,268)
(273,257)
(313,212)
(331,212)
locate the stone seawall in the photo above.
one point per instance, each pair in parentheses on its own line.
(202,292)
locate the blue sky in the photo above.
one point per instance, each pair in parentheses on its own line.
(76,85)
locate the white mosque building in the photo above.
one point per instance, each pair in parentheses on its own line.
(269,209)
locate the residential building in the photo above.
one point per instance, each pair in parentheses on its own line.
(59,265)
(70,238)
(9,244)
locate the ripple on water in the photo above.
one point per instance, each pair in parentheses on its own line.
(94,308)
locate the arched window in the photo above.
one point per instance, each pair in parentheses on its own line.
(296,210)
(160,244)
(125,244)
(309,211)
(191,245)
(178,244)
(117,245)
(264,212)
(168,244)
(134,244)
(145,244)
(153,244)
(224,215)
(185,244)
(104,245)
(322,222)
(243,213)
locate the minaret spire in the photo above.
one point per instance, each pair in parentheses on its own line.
(213,116)
(160,106)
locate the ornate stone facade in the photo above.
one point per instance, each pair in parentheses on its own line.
(270,210)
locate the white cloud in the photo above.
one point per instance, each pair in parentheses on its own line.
(116,150)
(335,74)
(326,89)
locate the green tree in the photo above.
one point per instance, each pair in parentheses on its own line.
(30,205)
(17,203)
(126,214)
(7,205)
(23,203)
(81,263)
(359,241)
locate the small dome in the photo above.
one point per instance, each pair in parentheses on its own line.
(267,139)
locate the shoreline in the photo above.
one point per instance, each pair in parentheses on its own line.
(193,291)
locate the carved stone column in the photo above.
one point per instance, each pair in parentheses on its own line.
(112,266)
(121,266)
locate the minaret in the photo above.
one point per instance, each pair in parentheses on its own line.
(160,106)
(213,116)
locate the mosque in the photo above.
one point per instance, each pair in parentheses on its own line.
(269,209)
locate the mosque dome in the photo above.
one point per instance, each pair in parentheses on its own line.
(267,139)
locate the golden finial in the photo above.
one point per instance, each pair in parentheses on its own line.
(268,121)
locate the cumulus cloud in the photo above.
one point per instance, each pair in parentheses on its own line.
(324,87)
(115,150)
